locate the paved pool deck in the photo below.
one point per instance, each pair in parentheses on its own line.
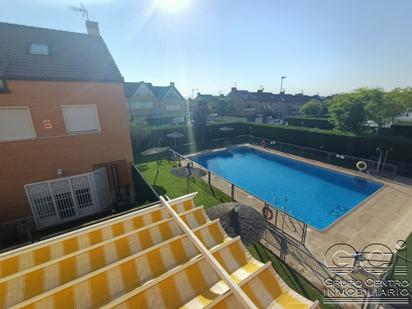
(385,217)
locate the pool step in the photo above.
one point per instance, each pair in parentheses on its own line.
(36,254)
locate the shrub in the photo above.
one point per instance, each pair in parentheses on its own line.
(310,122)
(312,108)
(404,130)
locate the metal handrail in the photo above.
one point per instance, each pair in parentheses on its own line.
(221,272)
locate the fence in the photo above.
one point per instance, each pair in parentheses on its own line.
(374,167)
(144,193)
(65,199)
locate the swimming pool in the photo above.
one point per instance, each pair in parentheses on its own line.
(312,194)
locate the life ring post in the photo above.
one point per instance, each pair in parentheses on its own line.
(361,166)
(267,213)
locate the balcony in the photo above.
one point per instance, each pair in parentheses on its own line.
(65,199)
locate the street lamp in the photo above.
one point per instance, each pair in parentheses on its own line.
(281,83)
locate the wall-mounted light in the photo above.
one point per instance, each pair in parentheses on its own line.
(59,172)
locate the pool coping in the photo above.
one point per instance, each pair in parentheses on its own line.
(314,163)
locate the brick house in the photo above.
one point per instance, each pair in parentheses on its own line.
(64,138)
(156,104)
(247,103)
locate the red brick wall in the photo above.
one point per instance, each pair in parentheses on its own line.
(28,161)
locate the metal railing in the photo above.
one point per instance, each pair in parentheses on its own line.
(64,199)
(374,167)
(333,158)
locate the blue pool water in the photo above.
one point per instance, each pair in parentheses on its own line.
(312,194)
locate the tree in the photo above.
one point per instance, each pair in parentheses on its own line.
(402,96)
(348,112)
(312,108)
(200,115)
(220,106)
(140,132)
(379,106)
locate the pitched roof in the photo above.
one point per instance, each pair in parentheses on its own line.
(159,91)
(266,96)
(207,97)
(73,56)
(130,88)
(273,97)
(246,95)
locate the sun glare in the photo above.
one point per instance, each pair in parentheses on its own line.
(172,5)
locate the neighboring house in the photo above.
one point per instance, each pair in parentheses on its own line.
(245,103)
(210,101)
(64,137)
(207,98)
(156,104)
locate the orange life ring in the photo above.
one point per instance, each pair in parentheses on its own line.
(267,213)
(263,143)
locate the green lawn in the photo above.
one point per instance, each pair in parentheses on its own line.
(173,187)
(167,184)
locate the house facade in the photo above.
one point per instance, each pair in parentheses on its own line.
(64,138)
(156,104)
(246,103)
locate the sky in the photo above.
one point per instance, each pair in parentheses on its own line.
(209,46)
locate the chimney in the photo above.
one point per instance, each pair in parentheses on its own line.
(234,89)
(260,91)
(172,84)
(92,28)
(198,94)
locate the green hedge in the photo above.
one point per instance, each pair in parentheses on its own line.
(310,122)
(143,141)
(335,141)
(402,130)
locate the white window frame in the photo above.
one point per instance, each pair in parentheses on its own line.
(98,130)
(31,123)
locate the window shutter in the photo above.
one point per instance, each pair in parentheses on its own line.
(15,123)
(80,118)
